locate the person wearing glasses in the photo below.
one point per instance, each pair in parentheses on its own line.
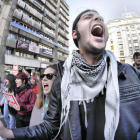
(41,105)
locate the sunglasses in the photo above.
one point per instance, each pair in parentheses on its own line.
(49,76)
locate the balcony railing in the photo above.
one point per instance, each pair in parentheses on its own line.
(11,42)
(65,4)
(53,3)
(37,4)
(33,11)
(64,8)
(50,15)
(48,22)
(31,22)
(63,33)
(21,3)
(64,20)
(17,14)
(43,29)
(60,57)
(43,1)
(51,7)
(36,34)
(60,39)
(64,14)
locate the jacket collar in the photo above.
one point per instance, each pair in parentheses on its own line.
(25,87)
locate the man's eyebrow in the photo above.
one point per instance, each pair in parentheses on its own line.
(91,14)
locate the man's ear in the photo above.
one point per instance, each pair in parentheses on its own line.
(74,34)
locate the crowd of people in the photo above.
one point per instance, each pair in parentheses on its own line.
(95,97)
(32,95)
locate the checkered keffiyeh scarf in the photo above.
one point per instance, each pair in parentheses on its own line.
(83,82)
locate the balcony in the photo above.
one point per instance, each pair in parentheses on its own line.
(43,1)
(43,29)
(63,33)
(31,22)
(64,8)
(53,3)
(33,12)
(37,5)
(51,7)
(48,22)
(12,59)
(64,14)
(62,25)
(61,57)
(21,3)
(65,4)
(64,20)
(50,15)
(17,14)
(60,39)
(11,42)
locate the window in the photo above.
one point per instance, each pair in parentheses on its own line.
(120,46)
(12,35)
(8,51)
(121,53)
(122,61)
(119,33)
(136,44)
(131,52)
(17,53)
(134,38)
(112,47)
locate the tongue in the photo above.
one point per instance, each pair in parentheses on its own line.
(97,32)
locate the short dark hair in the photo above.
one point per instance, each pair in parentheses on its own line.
(74,27)
(136,54)
(22,76)
(53,66)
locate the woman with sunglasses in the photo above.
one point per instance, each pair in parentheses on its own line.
(26,98)
(41,105)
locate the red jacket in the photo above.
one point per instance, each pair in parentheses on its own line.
(26,98)
(36,88)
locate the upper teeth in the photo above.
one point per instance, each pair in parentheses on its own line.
(98,26)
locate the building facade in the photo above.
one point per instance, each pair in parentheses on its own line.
(33,33)
(124,36)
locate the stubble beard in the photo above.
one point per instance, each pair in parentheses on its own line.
(91,49)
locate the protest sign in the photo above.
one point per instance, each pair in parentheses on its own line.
(11,98)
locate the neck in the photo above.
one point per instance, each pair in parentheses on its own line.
(136,65)
(90,58)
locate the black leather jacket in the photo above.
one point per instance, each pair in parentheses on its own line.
(129,123)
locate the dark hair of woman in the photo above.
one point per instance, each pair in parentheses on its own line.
(22,76)
(12,84)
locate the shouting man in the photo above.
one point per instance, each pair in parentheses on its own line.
(95,97)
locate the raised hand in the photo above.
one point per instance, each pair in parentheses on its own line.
(4,132)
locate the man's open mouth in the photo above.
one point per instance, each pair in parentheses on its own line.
(97,30)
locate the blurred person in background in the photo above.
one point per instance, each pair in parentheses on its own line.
(34,84)
(38,77)
(41,105)
(11,85)
(28,72)
(26,98)
(136,58)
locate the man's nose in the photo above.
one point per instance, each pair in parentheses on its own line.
(97,18)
